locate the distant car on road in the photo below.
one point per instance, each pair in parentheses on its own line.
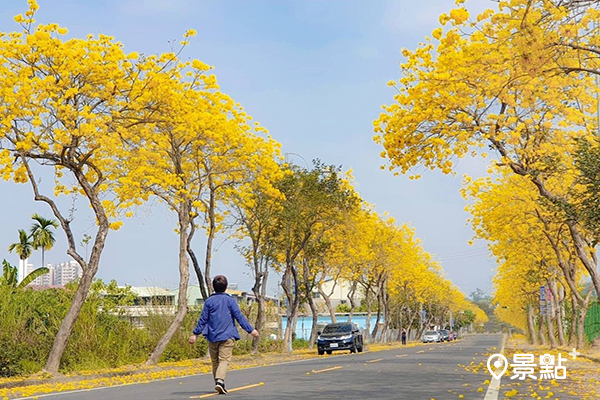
(445,335)
(432,336)
(340,336)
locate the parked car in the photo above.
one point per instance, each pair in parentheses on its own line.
(445,335)
(431,336)
(340,336)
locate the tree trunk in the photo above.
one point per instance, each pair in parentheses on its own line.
(542,328)
(411,320)
(386,312)
(400,325)
(588,260)
(212,226)
(259,323)
(352,300)
(67,324)
(89,268)
(581,327)
(425,323)
(327,299)
(583,310)
(376,328)
(531,325)
(259,290)
(551,333)
(315,321)
(184,278)
(195,263)
(557,299)
(308,288)
(369,313)
(293,306)
(570,275)
(573,329)
(425,326)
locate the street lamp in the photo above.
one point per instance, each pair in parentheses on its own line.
(296,154)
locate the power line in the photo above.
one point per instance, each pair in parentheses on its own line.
(462,255)
(464,252)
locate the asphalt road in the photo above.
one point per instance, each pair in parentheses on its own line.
(427,372)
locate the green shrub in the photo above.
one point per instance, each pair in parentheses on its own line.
(28,322)
(300,344)
(102,337)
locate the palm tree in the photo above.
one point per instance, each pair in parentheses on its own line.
(9,276)
(43,237)
(23,247)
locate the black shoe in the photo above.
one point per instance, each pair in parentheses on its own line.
(220,387)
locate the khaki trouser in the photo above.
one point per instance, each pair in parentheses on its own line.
(220,355)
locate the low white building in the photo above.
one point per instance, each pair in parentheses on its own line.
(194,295)
(338,292)
(149,301)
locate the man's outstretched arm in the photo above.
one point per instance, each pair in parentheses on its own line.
(202,321)
(241,319)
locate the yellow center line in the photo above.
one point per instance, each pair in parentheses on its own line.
(327,369)
(374,361)
(229,391)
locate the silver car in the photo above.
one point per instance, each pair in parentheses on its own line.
(432,336)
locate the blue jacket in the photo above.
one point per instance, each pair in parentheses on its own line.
(217,321)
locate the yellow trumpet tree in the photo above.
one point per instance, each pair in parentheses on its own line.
(239,158)
(202,152)
(397,278)
(66,105)
(254,208)
(505,80)
(533,248)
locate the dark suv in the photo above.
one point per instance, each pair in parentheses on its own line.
(340,336)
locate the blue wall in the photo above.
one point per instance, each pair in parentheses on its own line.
(304,325)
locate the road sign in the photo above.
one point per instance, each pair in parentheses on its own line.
(543,293)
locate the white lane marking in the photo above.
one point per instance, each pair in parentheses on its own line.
(494,388)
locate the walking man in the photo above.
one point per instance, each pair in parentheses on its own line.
(404,337)
(217,324)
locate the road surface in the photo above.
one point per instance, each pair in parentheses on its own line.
(437,371)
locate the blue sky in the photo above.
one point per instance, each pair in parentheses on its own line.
(312,72)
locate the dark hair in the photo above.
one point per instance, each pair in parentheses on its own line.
(220,283)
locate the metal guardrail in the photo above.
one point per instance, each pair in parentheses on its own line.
(592,322)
